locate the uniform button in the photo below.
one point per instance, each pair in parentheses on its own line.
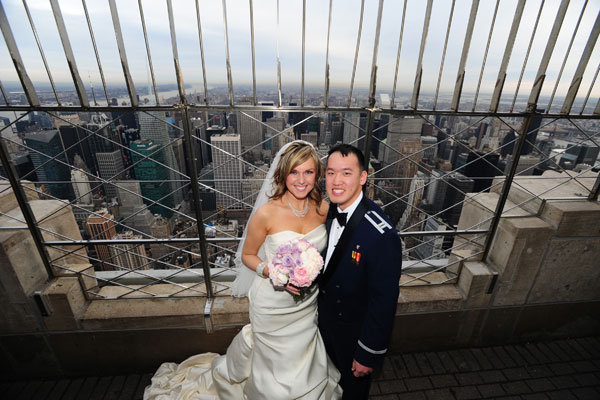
(323,291)
(337,286)
(340,314)
(338,301)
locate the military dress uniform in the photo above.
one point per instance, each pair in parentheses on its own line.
(359,293)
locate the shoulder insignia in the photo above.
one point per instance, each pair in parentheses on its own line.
(381,225)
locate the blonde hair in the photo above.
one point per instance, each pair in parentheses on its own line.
(294,155)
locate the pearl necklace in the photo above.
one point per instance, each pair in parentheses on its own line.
(299,213)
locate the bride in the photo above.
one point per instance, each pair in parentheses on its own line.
(280,355)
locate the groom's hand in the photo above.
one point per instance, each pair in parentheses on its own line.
(292,289)
(360,370)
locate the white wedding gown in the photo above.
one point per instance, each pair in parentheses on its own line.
(279,356)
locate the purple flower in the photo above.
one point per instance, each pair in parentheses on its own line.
(288,261)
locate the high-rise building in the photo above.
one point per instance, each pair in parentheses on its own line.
(110,168)
(206,149)
(481,131)
(153,176)
(81,186)
(161,229)
(403,139)
(130,197)
(156,130)
(228,169)
(102,227)
(50,162)
(457,185)
(336,132)
(527,164)
(429,145)
(77,141)
(351,128)
(253,180)
(129,255)
(310,137)
(532,132)
(280,135)
(483,167)
(250,129)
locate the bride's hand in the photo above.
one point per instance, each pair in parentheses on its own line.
(292,289)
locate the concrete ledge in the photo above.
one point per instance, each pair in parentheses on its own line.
(526,188)
(573,218)
(67,304)
(474,281)
(85,271)
(8,201)
(556,282)
(516,254)
(429,298)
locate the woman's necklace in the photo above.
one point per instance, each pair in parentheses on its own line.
(299,213)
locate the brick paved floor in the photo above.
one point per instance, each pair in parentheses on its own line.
(561,369)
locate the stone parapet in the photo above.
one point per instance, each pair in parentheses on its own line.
(475,282)
(573,218)
(516,253)
(66,302)
(8,201)
(570,272)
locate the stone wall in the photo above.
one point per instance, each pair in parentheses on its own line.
(540,281)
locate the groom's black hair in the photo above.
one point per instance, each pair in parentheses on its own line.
(346,149)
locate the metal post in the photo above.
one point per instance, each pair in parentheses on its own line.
(460,77)
(25,208)
(180,84)
(368,137)
(11,44)
(326,95)
(507,184)
(541,74)
(595,190)
(227,61)
(254,101)
(506,58)
(417,87)
(121,46)
(191,164)
(583,62)
(64,38)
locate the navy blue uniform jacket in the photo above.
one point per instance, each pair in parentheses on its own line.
(359,288)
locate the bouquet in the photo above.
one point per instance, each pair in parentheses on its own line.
(297,262)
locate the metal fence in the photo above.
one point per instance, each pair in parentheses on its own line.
(176,165)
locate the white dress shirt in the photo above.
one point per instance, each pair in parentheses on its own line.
(336,229)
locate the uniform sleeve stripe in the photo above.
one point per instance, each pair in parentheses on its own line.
(371,350)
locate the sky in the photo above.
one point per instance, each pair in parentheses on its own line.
(285,37)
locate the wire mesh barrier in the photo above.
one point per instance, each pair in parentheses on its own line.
(157,184)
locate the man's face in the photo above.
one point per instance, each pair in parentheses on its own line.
(344,179)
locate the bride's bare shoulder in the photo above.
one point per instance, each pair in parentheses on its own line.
(269,209)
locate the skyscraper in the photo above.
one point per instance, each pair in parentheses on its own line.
(351,128)
(110,167)
(153,176)
(102,226)
(47,159)
(81,186)
(129,255)
(156,130)
(250,129)
(227,169)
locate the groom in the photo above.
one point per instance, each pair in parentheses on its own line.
(359,284)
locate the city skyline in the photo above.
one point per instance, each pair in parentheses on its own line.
(286,40)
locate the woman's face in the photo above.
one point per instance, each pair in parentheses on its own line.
(301,179)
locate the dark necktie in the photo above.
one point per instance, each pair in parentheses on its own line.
(340,216)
